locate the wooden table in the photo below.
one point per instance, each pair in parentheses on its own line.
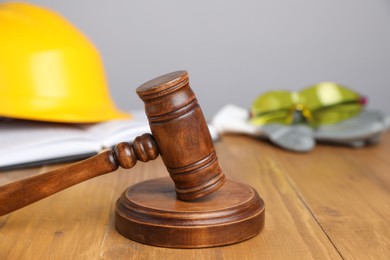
(331,203)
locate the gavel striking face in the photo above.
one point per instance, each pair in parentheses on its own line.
(180,135)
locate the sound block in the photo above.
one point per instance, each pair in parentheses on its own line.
(150,213)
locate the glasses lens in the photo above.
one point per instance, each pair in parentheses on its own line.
(271,107)
(337,113)
(330,103)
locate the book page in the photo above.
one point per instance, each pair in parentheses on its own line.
(113,132)
(26,141)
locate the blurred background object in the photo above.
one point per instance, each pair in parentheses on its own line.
(364,128)
(235,50)
(49,71)
(321,104)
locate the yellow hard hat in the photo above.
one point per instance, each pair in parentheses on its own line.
(49,70)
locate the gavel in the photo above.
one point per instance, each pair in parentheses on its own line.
(180,136)
(191,218)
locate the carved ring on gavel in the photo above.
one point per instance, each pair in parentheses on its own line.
(209,211)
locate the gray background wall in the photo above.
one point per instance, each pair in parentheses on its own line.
(235,50)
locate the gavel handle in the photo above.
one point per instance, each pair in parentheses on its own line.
(19,194)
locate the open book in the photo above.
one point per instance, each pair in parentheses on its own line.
(29,143)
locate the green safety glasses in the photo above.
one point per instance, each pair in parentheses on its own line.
(320,104)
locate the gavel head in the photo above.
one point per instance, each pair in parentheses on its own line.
(182,135)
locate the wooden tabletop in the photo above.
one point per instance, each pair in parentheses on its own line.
(331,203)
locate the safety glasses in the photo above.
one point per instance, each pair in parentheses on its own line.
(320,104)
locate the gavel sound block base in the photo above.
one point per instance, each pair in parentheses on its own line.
(150,213)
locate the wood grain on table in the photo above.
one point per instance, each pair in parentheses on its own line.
(330,203)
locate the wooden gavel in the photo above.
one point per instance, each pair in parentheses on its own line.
(180,135)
